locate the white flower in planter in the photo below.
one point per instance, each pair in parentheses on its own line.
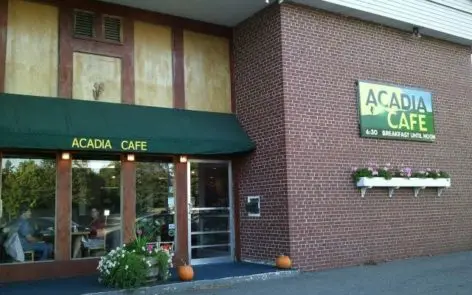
(366,178)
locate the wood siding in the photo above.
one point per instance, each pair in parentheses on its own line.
(207,73)
(448,17)
(462,5)
(91,70)
(32,49)
(152,65)
(3,41)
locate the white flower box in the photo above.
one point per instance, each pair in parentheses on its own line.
(417,184)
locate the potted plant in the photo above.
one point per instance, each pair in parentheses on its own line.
(135,264)
(150,228)
(158,259)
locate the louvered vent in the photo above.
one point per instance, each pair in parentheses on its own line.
(112,28)
(84,24)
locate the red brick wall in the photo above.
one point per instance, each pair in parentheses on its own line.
(260,106)
(323,54)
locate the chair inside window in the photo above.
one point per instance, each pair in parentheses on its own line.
(4,233)
(95,247)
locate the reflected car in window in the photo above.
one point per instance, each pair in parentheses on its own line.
(165,221)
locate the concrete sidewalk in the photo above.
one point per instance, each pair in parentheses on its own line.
(441,275)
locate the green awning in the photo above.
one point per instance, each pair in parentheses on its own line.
(29,122)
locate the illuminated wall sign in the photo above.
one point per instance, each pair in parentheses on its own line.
(393,112)
(108,144)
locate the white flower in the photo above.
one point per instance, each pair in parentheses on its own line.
(126,267)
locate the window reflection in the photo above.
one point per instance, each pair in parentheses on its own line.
(209,226)
(27,213)
(96,207)
(155,201)
(209,185)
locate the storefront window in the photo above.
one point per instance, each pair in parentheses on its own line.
(96,207)
(155,202)
(27,209)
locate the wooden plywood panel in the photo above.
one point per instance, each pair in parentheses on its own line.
(207,73)
(153,65)
(32,49)
(90,71)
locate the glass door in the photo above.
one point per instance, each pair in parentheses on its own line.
(210,212)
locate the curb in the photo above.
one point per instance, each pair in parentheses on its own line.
(203,284)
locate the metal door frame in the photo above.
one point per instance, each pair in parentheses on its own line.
(232,243)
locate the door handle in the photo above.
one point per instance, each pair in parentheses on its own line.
(190,207)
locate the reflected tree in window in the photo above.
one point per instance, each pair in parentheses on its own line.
(95,188)
(155,201)
(152,186)
(82,178)
(96,206)
(110,187)
(28,194)
(31,182)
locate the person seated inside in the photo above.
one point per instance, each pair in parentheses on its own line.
(96,239)
(27,239)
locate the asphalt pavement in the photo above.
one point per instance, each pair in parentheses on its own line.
(438,275)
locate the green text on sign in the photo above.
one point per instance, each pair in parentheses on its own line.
(387,111)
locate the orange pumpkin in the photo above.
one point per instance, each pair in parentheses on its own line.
(283,262)
(185,272)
